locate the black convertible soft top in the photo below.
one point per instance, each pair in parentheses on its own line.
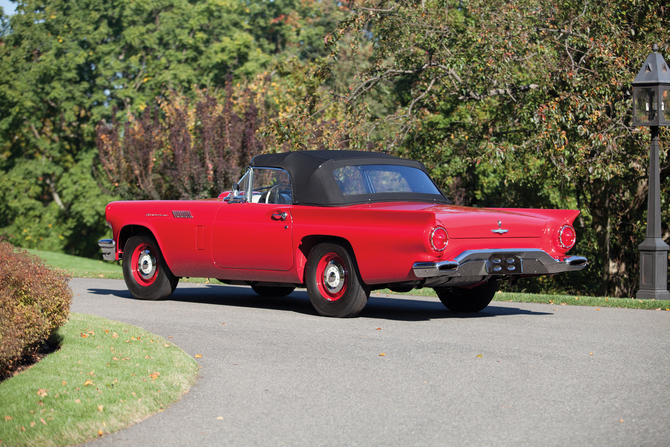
(314,183)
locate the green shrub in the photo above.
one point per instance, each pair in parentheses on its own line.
(34,302)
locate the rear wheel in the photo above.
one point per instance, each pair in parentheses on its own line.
(146,274)
(333,283)
(273,290)
(460,299)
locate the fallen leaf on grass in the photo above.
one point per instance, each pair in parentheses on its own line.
(100,407)
(155,375)
(64,383)
(43,421)
(77,401)
(42,392)
(84,335)
(8,418)
(32,423)
(88,382)
(115,335)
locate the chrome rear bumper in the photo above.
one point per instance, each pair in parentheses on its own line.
(108,247)
(503,262)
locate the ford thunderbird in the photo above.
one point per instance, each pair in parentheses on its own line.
(340,224)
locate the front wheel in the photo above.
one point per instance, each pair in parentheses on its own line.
(460,299)
(146,273)
(333,283)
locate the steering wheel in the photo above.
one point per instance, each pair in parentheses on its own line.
(275,188)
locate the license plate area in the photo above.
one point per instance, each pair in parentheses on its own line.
(504,264)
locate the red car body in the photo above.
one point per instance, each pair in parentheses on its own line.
(338,240)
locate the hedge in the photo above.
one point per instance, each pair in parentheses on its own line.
(34,302)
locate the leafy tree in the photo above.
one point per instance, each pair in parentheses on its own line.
(178,149)
(522,103)
(68,65)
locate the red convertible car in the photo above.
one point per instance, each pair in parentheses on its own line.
(340,223)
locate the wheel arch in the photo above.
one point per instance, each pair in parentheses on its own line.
(133,230)
(307,243)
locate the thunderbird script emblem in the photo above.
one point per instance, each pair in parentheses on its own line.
(499,230)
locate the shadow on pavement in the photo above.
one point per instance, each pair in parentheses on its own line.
(389,308)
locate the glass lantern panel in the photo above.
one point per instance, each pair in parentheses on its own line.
(645,105)
(665,105)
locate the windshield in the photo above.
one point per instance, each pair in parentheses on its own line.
(377,179)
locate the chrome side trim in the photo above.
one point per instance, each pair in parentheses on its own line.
(108,247)
(531,261)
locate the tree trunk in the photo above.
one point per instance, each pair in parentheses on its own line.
(599,206)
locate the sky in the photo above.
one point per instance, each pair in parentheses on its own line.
(7,6)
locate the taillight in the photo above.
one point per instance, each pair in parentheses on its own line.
(439,238)
(567,237)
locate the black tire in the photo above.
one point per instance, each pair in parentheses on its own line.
(273,290)
(460,299)
(333,282)
(146,273)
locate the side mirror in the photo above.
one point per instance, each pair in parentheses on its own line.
(236,189)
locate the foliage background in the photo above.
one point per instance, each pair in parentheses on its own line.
(522,103)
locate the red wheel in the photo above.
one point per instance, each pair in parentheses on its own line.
(144,264)
(331,277)
(146,274)
(333,283)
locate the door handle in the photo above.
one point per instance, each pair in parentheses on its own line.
(280,216)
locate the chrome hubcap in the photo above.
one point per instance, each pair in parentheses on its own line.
(334,277)
(146,264)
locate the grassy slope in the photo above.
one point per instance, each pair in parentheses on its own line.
(106,376)
(80,267)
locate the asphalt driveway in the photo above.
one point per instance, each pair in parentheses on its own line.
(406,372)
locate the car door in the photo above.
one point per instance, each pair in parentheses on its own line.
(256,233)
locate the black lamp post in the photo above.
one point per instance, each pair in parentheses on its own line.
(651,107)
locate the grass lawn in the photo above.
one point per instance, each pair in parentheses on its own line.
(106,376)
(80,267)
